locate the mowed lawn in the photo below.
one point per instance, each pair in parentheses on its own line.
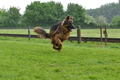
(112,33)
(21,59)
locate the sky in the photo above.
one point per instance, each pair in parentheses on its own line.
(87,4)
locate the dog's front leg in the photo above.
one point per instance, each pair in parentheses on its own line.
(55,47)
(59,43)
(53,41)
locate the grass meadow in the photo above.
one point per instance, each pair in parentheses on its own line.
(23,59)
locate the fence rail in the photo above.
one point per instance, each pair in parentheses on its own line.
(85,39)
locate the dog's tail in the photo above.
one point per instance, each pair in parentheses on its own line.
(41,32)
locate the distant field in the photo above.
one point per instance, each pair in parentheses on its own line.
(112,33)
(21,59)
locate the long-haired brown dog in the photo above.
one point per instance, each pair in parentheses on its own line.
(58,32)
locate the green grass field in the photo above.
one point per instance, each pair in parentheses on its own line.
(21,59)
(112,33)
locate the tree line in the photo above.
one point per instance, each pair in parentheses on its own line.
(110,12)
(46,14)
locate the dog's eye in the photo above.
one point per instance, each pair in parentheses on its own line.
(71,23)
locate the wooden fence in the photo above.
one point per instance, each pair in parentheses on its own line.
(79,39)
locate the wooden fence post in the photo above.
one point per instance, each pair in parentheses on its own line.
(106,35)
(29,33)
(79,35)
(101,34)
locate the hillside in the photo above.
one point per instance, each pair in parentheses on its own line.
(108,10)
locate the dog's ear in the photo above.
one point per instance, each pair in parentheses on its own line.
(67,18)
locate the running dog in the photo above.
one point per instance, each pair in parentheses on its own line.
(58,32)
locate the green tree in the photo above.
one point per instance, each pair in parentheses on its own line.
(43,14)
(32,13)
(78,12)
(3,17)
(116,21)
(13,17)
(101,20)
(90,21)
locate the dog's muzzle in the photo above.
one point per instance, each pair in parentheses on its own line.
(73,27)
